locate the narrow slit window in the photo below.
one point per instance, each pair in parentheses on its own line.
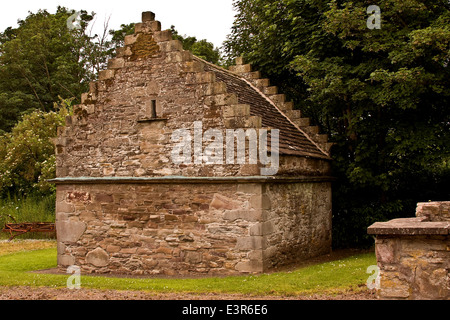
(153,110)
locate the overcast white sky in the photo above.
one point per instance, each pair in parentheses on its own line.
(204,19)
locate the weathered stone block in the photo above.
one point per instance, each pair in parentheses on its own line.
(160,36)
(293,114)
(285,106)
(215,88)
(239,61)
(171,45)
(112,249)
(271,90)
(221,100)
(434,211)
(393,287)
(262,228)
(260,202)
(251,243)
(239,110)
(116,63)
(106,74)
(303,122)
(93,87)
(65,260)
(70,231)
(253,122)
(148,16)
(193,257)
(252,266)
(254,75)
(130,39)
(191,66)
(63,206)
(98,257)
(205,77)
(261,83)
(248,215)
(179,56)
(123,52)
(250,188)
(154,25)
(241,68)
(220,202)
(140,27)
(278,98)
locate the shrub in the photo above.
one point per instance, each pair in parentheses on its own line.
(27,153)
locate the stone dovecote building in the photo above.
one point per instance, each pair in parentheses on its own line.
(126,205)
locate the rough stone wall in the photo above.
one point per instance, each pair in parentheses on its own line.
(413,254)
(112,226)
(206,229)
(434,211)
(146,229)
(298,222)
(111,133)
(414,267)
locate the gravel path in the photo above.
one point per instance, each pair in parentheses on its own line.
(44,293)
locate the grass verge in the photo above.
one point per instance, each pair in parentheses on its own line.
(324,278)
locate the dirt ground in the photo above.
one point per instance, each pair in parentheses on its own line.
(44,293)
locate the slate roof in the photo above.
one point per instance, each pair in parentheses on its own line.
(293,141)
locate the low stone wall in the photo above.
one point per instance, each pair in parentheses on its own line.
(192,227)
(413,254)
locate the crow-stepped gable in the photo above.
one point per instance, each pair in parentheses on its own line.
(125,206)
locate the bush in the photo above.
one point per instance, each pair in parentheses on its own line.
(27,153)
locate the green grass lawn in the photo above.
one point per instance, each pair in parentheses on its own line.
(325,278)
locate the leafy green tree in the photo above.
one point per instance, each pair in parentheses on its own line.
(43,59)
(381,94)
(202,49)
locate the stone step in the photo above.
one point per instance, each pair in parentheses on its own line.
(321,138)
(162,36)
(245,68)
(179,56)
(311,130)
(302,122)
(116,63)
(293,115)
(171,45)
(286,106)
(254,75)
(261,83)
(277,98)
(270,90)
